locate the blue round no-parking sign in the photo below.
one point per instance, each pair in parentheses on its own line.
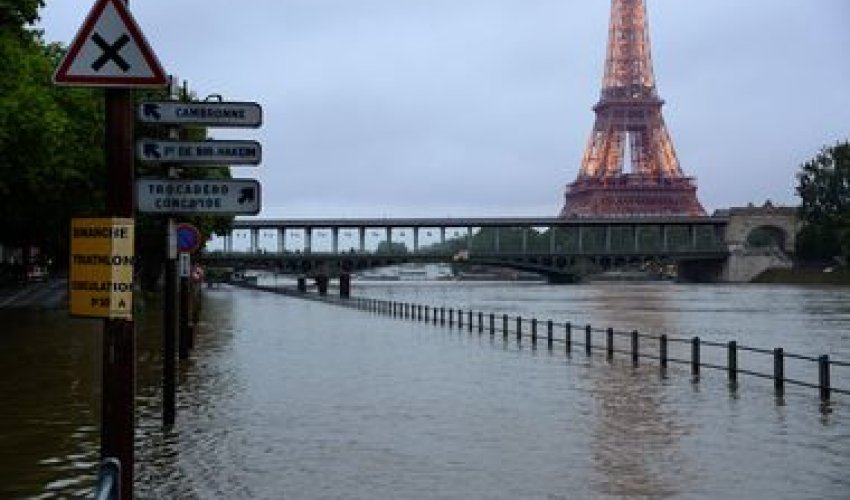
(188,238)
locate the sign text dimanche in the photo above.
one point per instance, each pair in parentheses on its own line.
(101,272)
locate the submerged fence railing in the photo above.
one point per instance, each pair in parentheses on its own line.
(693,352)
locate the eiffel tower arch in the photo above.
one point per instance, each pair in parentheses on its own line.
(630,167)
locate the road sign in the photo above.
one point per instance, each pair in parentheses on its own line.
(101,274)
(188,238)
(199,152)
(210,114)
(110,51)
(185,196)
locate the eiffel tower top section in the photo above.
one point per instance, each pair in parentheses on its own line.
(628,65)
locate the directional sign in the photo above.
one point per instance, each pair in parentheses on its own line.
(101,272)
(110,51)
(210,114)
(200,152)
(185,196)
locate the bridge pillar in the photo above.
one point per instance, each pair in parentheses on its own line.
(335,239)
(322,284)
(255,241)
(415,240)
(442,235)
(308,240)
(496,242)
(362,235)
(525,240)
(228,242)
(281,240)
(302,284)
(345,285)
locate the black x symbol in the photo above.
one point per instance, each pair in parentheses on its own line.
(110,52)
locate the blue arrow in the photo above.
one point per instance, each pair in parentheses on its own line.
(151,109)
(151,150)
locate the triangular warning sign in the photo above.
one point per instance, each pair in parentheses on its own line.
(110,51)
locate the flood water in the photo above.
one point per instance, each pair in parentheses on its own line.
(287,398)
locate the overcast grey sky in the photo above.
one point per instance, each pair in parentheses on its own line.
(483,107)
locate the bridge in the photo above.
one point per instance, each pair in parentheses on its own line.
(560,249)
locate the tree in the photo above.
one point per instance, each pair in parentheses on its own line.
(824,188)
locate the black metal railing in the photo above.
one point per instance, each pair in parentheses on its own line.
(731,357)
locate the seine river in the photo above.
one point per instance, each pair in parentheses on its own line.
(287,398)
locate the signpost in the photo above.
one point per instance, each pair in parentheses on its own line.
(101,276)
(191,196)
(110,51)
(199,152)
(210,114)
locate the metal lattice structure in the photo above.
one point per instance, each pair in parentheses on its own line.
(630,167)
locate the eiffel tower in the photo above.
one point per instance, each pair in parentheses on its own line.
(629,133)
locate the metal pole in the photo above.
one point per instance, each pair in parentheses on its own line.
(823,377)
(549,338)
(534,331)
(610,344)
(568,337)
(587,339)
(779,370)
(695,358)
(733,362)
(169,320)
(635,347)
(663,352)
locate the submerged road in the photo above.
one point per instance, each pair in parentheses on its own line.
(50,294)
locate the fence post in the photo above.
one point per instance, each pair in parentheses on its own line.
(568,331)
(587,339)
(427,316)
(534,331)
(505,326)
(823,377)
(492,324)
(779,370)
(451,317)
(480,322)
(460,318)
(733,363)
(469,319)
(419,312)
(663,352)
(610,343)
(549,339)
(519,329)
(442,316)
(635,347)
(695,358)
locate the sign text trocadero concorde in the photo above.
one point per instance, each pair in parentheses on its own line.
(189,196)
(199,152)
(211,114)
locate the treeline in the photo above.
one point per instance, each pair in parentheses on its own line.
(52,150)
(824,190)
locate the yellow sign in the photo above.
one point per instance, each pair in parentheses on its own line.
(101,277)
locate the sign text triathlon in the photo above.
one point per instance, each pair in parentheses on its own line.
(101,273)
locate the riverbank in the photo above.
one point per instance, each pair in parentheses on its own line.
(804,277)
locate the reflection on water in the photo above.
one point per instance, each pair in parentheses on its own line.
(287,397)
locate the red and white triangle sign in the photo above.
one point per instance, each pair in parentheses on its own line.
(110,51)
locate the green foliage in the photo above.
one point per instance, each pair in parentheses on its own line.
(49,143)
(16,14)
(52,165)
(391,248)
(824,189)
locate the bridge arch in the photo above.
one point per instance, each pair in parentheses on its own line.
(758,227)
